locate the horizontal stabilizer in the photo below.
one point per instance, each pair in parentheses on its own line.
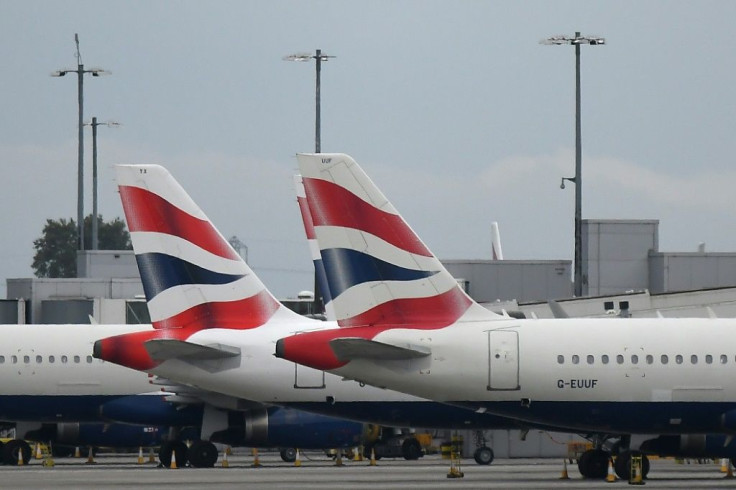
(346,349)
(165,349)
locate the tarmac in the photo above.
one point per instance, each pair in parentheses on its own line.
(318,471)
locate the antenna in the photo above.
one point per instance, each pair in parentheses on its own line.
(79,55)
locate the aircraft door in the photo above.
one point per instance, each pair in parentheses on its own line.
(503,360)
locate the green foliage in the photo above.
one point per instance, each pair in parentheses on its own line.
(56,249)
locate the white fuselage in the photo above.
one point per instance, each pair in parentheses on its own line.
(609,372)
(47,372)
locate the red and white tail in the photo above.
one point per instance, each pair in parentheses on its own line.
(379,271)
(191,275)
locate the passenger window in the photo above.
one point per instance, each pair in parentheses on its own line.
(63,359)
(51,359)
(14,359)
(604,358)
(39,359)
(650,359)
(678,359)
(89,359)
(590,359)
(709,359)
(694,359)
(2,359)
(76,359)
(724,358)
(26,359)
(619,359)
(575,359)
(664,359)
(634,359)
(560,359)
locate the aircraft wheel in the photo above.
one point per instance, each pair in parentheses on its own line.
(11,450)
(411,449)
(483,455)
(593,464)
(172,447)
(202,454)
(288,454)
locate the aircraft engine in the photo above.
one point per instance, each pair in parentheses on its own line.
(283,427)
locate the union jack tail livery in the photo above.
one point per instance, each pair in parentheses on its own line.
(378,270)
(192,277)
(319,267)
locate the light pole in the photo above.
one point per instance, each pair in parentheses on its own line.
(319,58)
(576,41)
(94,124)
(80,71)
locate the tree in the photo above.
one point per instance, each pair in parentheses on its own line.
(56,250)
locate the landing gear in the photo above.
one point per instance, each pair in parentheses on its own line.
(288,454)
(593,464)
(411,449)
(622,465)
(483,455)
(11,449)
(202,454)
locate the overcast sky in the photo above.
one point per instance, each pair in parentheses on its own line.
(452,107)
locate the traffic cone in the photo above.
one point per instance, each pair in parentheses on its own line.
(729,471)
(297,459)
(37,452)
(373,457)
(564,475)
(338,459)
(20,457)
(90,457)
(173,460)
(611,477)
(77,453)
(724,465)
(358,454)
(225,462)
(140,454)
(151,457)
(256,461)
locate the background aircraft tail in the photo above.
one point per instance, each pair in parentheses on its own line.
(191,275)
(319,268)
(379,271)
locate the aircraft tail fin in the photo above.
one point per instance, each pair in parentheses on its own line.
(379,271)
(192,276)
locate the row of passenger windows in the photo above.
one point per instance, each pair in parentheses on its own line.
(649,359)
(51,359)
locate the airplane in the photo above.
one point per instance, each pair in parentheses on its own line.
(171,237)
(409,327)
(216,324)
(53,390)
